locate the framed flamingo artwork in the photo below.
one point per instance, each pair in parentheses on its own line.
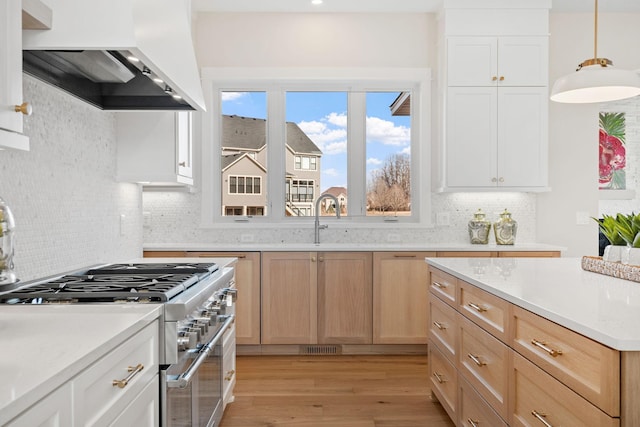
(612,152)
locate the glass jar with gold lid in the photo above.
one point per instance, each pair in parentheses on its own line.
(479,228)
(505,229)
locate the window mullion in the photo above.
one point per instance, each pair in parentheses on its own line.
(356,153)
(276,138)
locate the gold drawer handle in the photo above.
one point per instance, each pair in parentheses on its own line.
(473,423)
(439,377)
(229,375)
(476,307)
(439,325)
(24,108)
(541,417)
(439,285)
(543,345)
(133,371)
(476,360)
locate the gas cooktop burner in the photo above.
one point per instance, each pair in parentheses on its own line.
(101,288)
(157,268)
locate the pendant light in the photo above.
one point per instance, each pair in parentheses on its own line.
(596,80)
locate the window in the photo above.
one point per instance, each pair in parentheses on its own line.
(244,184)
(286,141)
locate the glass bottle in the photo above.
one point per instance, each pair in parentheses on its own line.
(505,229)
(479,228)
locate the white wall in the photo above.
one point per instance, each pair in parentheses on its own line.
(62,193)
(573,129)
(324,40)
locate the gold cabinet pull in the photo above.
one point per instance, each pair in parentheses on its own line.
(229,375)
(439,377)
(133,371)
(439,285)
(24,108)
(501,78)
(494,78)
(477,307)
(476,360)
(439,325)
(473,423)
(543,345)
(541,417)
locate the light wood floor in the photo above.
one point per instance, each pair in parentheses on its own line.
(336,391)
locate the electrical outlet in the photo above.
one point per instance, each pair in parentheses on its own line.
(443,219)
(393,237)
(246,238)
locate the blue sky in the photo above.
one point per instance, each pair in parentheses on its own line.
(323,117)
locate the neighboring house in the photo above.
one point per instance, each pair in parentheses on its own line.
(244,170)
(339,193)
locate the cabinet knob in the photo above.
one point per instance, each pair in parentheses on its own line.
(494,179)
(494,78)
(24,108)
(183,164)
(501,78)
(501,179)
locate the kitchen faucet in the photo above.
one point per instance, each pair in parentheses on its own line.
(317,224)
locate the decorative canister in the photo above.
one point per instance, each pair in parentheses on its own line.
(479,228)
(505,229)
(7,224)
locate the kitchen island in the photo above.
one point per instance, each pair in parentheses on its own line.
(534,341)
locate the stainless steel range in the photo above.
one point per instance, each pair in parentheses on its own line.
(198,309)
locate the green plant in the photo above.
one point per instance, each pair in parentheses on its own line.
(609,227)
(628,227)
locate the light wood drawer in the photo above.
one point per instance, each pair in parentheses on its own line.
(96,398)
(483,361)
(443,285)
(535,392)
(444,327)
(488,311)
(474,411)
(587,367)
(444,381)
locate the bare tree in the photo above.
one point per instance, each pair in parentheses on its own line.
(390,186)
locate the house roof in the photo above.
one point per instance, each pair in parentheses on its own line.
(335,191)
(249,134)
(401,106)
(230,159)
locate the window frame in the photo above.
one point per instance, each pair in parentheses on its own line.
(245,177)
(275,82)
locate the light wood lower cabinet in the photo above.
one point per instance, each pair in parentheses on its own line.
(516,368)
(316,298)
(444,381)
(400,297)
(247,306)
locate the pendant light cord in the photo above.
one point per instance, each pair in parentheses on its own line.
(595,32)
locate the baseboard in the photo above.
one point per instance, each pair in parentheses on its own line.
(337,349)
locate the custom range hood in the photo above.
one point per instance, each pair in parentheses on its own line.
(118,54)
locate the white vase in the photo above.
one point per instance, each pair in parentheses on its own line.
(634,256)
(613,253)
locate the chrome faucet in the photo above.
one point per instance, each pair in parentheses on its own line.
(318,227)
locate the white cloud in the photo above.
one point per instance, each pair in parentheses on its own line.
(232,96)
(374,161)
(329,138)
(335,147)
(330,172)
(387,132)
(406,150)
(338,119)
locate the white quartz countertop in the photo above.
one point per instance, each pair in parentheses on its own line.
(600,307)
(282,247)
(44,346)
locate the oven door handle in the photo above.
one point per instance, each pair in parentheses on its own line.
(183,380)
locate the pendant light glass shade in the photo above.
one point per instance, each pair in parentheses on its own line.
(596,80)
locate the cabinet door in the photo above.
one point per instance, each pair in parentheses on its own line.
(184,144)
(52,411)
(472,61)
(400,297)
(523,61)
(289,298)
(471,137)
(144,409)
(522,136)
(247,305)
(11,76)
(344,297)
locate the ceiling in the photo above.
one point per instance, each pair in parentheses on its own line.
(388,6)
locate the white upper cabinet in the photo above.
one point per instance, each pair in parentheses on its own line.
(155,148)
(495,131)
(11,109)
(497,61)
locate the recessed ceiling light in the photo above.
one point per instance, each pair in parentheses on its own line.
(316,2)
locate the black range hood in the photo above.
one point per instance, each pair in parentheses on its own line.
(104,79)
